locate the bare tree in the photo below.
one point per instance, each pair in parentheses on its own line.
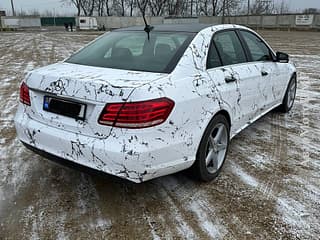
(100,7)
(88,6)
(175,7)
(122,7)
(157,7)
(262,7)
(76,3)
(142,5)
(282,8)
(132,5)
(232,6)
(107,8)
(215,4)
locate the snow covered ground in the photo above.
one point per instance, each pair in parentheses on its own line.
(269,188)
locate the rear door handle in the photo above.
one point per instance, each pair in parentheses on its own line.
(230,79)
(264,73)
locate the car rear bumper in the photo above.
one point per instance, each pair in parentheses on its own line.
(63,161)
(113,155)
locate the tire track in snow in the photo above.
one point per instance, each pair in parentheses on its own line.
(194,203)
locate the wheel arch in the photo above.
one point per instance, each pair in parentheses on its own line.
(293,75)
(225,114)
(222,112)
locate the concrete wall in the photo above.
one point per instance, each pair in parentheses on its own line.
(180,20)
(21,22)
(210,20)
(317,21)
(1,22)
(265,21)
(269,21)
(262,21)
(119,22)
(286,20)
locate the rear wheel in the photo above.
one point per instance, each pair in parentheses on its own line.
(290,96)
(213,149)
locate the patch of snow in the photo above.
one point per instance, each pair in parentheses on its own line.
(294,214)
(207,224)
(30,66)
(101,224)
(244,176)
(182,226)
(61,235)
(153,231)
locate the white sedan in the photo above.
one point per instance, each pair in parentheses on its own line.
(141,105)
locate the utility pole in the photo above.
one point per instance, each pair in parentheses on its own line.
(12,6)
(248,7)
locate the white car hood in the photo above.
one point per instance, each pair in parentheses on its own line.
(86,82)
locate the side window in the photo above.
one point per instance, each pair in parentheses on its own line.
(229,48)
(213,57)
(258,50)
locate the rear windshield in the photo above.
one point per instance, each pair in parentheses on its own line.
(133,51)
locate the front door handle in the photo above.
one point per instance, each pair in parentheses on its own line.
(230,79)
(264,73)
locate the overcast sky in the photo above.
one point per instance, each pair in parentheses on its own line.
(56,5)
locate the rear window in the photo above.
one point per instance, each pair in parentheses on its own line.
(133,51)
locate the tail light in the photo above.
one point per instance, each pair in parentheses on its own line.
(24,94)
(136,114)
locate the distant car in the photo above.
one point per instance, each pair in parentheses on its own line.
(139,105)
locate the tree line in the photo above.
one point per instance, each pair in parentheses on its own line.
(177,8)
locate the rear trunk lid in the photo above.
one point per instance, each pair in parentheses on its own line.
(93,87)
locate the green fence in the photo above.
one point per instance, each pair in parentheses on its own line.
(57,21)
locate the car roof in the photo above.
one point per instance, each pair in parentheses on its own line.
(192,28)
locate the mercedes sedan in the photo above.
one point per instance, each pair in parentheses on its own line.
(142,104)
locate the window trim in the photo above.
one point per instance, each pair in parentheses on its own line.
(271,52)
(210,49)
(212,42)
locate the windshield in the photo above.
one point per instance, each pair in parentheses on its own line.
(133,51)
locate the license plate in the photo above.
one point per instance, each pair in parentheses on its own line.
(65,107)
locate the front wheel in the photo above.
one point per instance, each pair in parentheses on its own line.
(290,96)
(213,149)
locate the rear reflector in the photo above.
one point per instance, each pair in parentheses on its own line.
(24,94)
(136,114)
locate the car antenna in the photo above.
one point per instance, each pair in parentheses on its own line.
(148,28)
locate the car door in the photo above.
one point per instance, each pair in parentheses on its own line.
(239,80)
(262,57)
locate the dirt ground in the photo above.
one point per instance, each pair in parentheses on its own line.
(269,187)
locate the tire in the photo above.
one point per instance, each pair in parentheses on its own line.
(211,156)
(289,97)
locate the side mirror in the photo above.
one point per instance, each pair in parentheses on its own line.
(282,57)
